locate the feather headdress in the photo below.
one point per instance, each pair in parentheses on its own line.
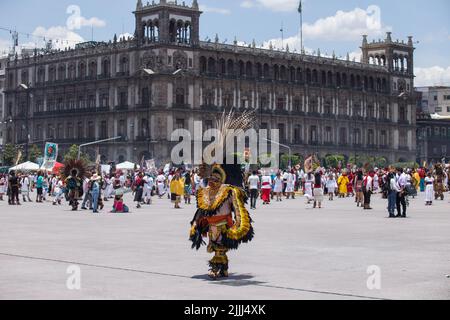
(228,126)
(75,168)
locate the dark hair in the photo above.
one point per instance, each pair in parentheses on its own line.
(318,178)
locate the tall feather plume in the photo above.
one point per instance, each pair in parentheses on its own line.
(227,125)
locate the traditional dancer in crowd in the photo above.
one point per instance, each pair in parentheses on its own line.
(74,173)
(58,191)
(216,203)
(331,185)
(148,189)
(318,189)
(266,188)
(358,181)
(278,186)
(343,182)
(176,189)
(290,185)
(367,189)
(429,189)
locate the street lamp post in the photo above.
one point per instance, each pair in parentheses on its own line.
(27,90)
(285,146)
(94,142)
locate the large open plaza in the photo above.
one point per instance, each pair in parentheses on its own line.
(298,253)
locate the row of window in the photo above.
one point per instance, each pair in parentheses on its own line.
(292,74)
(72,71)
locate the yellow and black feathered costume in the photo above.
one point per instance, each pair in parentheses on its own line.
(221,215)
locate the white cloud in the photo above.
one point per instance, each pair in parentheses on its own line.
(347,25)
(214,10)
(275,5)
(61,37)
(76,21)
(432,76)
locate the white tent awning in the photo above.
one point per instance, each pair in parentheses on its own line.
(26,166)
(127,166)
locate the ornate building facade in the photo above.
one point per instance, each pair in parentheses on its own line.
(165,78)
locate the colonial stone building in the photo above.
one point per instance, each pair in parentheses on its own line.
(166,78)
(433,138)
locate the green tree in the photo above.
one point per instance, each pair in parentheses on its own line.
(284,161)
(332,160)
(9,155)
(72,154)
(34,153)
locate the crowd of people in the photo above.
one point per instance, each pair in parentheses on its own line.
(179,185)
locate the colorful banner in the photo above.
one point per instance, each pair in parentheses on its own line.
(51,152)
(50,155)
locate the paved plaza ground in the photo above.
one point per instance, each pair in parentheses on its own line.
(298,253)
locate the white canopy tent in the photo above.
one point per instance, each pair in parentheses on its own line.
(26,166)
(127,166)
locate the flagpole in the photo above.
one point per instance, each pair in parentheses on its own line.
(300,10)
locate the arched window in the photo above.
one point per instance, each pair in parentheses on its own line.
(230,67)
(124,65)
(299,76)
(283,75)
(203,65)
(259,71)
(62,72)
(81,70)
(266,71)
(222,66)
(329,79)
(241,68)
(308,76)
(249,69)
(106,68)
(211,66)
(324,78)
(179,96)
(276,72)
(315,77)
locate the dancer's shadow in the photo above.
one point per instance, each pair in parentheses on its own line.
(233,280)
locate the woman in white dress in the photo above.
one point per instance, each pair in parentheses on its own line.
(331,185)
(290,185)
(278,186)
(429,190)
(161,183)
(309,181)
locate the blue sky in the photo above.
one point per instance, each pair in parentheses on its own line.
(328,25)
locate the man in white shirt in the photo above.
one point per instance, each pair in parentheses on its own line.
(401,195)
(25,188)
(368,189)
(253,185)
(148,187)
